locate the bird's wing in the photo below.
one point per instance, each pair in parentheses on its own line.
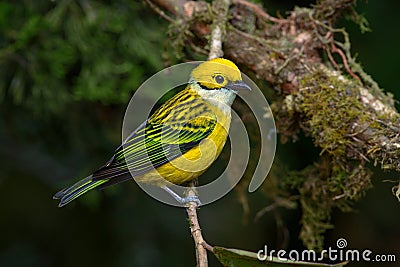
(155,143)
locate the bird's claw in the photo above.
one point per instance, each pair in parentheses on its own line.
(188,199)
(182,200)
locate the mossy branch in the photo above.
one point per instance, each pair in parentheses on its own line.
(335,102)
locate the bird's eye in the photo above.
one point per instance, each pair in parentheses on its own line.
(219,79)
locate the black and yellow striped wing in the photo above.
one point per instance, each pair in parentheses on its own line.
(157,142)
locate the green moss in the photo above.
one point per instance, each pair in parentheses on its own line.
(326,107)
(331,106)
(322,187)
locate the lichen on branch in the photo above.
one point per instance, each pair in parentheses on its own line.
(331,99)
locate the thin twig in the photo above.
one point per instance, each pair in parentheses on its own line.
(331,59)
(216,43)
(258,39)
(195,230)
(175,7)
(159,11)
(279,202)
(259,11)
(287,61)
(220,11)
(344,59)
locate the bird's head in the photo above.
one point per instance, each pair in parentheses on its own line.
(219,73)
(218,79)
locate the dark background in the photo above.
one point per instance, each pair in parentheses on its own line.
(68,69)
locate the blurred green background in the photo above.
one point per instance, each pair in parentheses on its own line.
(67,71)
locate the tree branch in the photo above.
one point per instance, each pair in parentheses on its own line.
(287,53)
(159,11)
(195,230)
(342,108)
(175,7)
(220,17)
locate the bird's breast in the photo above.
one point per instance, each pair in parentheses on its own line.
(194,162)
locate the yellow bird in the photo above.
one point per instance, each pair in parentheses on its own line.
(179,141)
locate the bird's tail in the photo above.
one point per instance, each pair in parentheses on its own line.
(70,193)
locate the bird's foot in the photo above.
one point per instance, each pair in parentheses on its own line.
(188,199)
(182,200)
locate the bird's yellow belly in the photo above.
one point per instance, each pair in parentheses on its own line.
(191,164)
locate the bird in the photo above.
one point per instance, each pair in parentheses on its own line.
(179,141)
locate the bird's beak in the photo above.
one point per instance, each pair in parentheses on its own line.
(238,86)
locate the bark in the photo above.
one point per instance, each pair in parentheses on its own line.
(334,101)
